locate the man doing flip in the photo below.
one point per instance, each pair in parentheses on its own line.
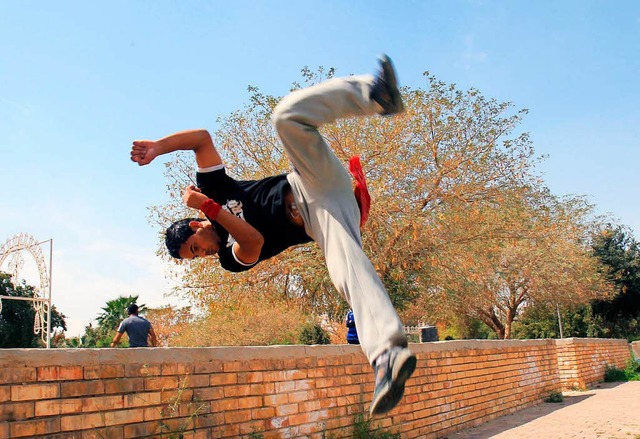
(250,221)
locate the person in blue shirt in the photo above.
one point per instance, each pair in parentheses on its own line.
(138,329)
(352,333)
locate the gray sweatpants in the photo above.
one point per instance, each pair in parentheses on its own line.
(322,188)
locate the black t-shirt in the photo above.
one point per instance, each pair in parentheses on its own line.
(260,203)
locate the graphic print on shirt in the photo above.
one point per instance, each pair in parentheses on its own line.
(234,207)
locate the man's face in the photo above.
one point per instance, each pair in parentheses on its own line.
(204,242)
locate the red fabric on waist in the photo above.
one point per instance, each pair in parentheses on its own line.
(360,191)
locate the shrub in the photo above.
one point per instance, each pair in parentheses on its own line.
(362,429)
(555,397)
(312,333)
(614,375)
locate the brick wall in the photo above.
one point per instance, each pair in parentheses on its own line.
(277,391)
(582,361)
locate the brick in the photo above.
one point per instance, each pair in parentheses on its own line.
(83,388)
(145,399)
(176,369)
(131,416)
(115,432)
(18,411)
(231,431)
(11,375)
(210,420)
(233,391)
(146,429)
(102,403)
(50,407)
(208,394)
(153,413)
(104,371)
(161,383)
(27,392)
(208,367)
(288,386)
(252,428)
(250,402)
(276,400)
(286,409)
(123,385)
(34,428)
(219,379)
(56,373)
(5,393)
(82,422)
(142,370)
(237,416)
(232,366)
(300,396)
(198,381)
(250,377)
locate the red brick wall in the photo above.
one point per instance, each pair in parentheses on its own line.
(285,391)
(582,361)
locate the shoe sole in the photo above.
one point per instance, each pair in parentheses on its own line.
(388,399)
(392,82)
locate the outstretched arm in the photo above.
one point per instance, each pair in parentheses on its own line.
(199,141)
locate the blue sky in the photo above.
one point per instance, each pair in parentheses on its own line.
(80,80)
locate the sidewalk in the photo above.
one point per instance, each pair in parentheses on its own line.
(608,411)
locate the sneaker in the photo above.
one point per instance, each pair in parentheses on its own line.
(385,88)
(392,369)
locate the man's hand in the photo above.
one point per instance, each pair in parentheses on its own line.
(193,197)
(144,151)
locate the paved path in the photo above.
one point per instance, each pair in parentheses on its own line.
(608,411)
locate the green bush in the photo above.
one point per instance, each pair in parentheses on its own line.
(362,429)
(312,333)
(555,397)
(630,373)
(614,375)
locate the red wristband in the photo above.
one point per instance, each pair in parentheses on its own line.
(210,208)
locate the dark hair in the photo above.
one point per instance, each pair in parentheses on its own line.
(132,309)
(177,234)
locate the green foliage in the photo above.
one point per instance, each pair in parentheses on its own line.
(631,372)
(555,397)
(17,317)
(363,429)
(96,337)
(619,252)
(541,321)
(613,375)
(313,333)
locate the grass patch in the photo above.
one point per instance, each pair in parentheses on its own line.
(555,397)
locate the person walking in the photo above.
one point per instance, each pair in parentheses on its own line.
(138,329)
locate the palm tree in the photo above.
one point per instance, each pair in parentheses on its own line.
(115,311)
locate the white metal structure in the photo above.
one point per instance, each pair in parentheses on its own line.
(14,247)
